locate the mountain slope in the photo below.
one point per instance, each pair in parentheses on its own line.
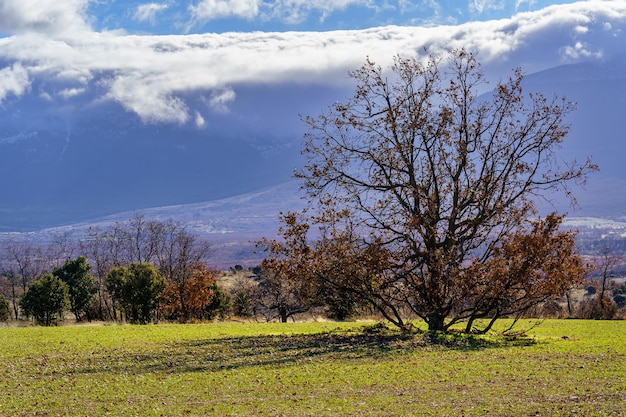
(67,160)
(597,131)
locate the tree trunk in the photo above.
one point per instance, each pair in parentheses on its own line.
(282,311)
(436,322)
(568,297)
(14,295)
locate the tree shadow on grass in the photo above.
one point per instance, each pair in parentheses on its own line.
(231,353)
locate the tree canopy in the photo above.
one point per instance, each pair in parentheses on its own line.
(81,285)
(137,289)
(425,193)
(46,299)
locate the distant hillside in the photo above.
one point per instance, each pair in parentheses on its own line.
(597,130)
(231,225)
(65,162)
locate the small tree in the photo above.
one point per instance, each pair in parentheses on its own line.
(286,287)
(189,297)
(243,296)
(602,306)
(13,281)
(137,288)
(220,304)
(99,247)
(5,309)
(82,286)
(46,300)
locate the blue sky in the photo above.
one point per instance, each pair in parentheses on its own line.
(218,16)
(162,17)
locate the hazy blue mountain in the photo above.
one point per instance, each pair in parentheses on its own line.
(71,160)
(62,161)
(597,129)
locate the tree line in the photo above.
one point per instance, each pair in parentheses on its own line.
(140,271)
(128,271)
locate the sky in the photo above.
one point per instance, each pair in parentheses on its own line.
(169,17)
(149,56)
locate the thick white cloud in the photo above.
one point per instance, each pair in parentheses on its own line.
(146,96)
(42,16)
(151,75)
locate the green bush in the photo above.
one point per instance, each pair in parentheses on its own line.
(137,289)
(81,285)
(46,300)
(220,304)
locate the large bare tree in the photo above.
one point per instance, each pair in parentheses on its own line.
(439,180)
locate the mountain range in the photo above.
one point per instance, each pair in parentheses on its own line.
(82,161)
(65,162)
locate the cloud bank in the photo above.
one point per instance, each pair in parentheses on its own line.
(49,17)
(151,75)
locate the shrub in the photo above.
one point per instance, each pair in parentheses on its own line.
(46,300)
(243,294)
(620,300)
(219,305)
(137,289)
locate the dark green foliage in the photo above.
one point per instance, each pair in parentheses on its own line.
(619,300)
(137,289)
(620,290)
(82,286)
(5,309)
(220,304)
(340,305)
(46,300)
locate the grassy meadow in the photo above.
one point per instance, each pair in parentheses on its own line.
(559,368)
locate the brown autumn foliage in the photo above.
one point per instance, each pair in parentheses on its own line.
(191,296)
(424,189)
(529,268)
(286,288)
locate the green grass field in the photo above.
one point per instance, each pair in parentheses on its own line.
(562,368)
